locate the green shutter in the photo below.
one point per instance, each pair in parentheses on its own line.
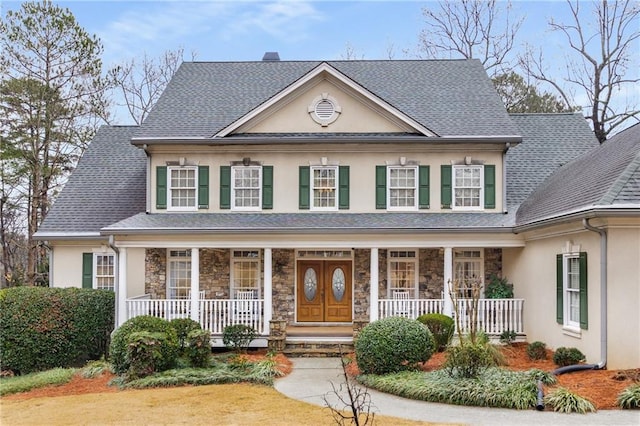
(161,187)
(304,180)
(87,270)
(225,187)
(584,317)
(381,187)
(445,186)
(267,187)
(203,187)
(423,187)
(343,187)
(559,290)
(489,187)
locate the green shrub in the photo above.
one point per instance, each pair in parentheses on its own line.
(393,344)
(467,360)
(537,350)
(118,348)
(238,337)
(441,326)
(567,356)
(183,327)
(629,398)
(198,347)
(43,328)
(145,353)
(498,288)
(508,337)
(565,401)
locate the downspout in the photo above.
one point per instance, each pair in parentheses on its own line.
(148,186)
(117,274)
(504,177)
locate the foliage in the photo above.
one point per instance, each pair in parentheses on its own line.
(56,376)
(146,354)
(467,361)
(43,328)
(519,96)
(567,356)
(508,337)
(118,348)
(198,347)
(183,327)
(498,288)
(238,337)
(537,350)
(565,401)
(95,369)
(441,326)
(494,387)
(630,397)
(393,344)
(355,407)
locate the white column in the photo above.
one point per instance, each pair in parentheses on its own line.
(268,290)
(447,309)
(195,284)
(373,285)
(122,287)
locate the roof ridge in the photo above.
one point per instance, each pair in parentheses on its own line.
(621,181)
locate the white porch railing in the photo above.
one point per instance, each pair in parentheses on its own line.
(215,315)
(494,315)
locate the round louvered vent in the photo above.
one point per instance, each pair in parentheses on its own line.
(324,110)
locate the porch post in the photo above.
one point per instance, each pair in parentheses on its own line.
(122,287)
(195,284)
(268,291)
(373,285)
(447,309)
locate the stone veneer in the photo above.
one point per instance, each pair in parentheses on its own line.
(283,283)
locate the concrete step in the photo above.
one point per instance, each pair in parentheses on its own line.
(317,349)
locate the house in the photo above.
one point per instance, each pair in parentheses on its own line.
(308,198)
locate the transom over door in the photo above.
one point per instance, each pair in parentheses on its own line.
(324,291)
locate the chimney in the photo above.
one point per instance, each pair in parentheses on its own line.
(271,56)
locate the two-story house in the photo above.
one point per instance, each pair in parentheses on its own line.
(288,195)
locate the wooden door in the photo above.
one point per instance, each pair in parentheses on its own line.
(324,291)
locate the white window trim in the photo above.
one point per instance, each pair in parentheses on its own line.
(94,278)
(457,258)
(480,207)
(416,264)
(568,324)
(415,189)
(233,189)
(234,259)
(186,258)
(170,207)
(336,189)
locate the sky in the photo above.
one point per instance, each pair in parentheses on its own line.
(297,30)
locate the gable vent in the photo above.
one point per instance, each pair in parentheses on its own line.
(324,109)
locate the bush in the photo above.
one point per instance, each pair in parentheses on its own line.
(508,337)
(565,401)
(393,344)
(567,356)
(441,326)
(467,360)
(43,328)
(118,348)
(145,353)
(537,350)
(198,347)
(183,327)
(498,288)
(629,398)
(238,337)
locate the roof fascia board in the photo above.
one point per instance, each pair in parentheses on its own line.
(68,235)
(315,72)
(615,210)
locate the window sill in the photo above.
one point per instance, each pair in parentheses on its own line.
(572,332)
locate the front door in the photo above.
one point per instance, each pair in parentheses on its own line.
(324,291)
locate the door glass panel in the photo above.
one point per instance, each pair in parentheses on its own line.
(310,284)
(337,284)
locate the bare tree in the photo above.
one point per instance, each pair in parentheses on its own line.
(141,83)
(602,62)
(468,29)
(350,53)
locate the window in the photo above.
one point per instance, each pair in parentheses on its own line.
(468,187)
(104,271)
(402,272)
(468,271)
(246,184)
(179,282)
(572,290)
(324,186)
(402,187)
(245,272)
(182,188)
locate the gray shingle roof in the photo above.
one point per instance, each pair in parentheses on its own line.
(548,142)
(606,175)
(451,98)
(108,185)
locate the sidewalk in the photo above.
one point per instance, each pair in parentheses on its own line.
(311,380)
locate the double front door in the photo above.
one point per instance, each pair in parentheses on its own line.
(324,291)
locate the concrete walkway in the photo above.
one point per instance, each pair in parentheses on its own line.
(311,380)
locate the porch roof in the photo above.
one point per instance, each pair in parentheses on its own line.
(160,223)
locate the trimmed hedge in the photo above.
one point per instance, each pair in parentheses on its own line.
(441,326)
(43,328)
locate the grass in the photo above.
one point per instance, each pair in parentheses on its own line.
(57,376)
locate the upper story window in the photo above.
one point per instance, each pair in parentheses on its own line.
(402,187)
(246,187)
(324,188)
(468,187)
(182,187)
